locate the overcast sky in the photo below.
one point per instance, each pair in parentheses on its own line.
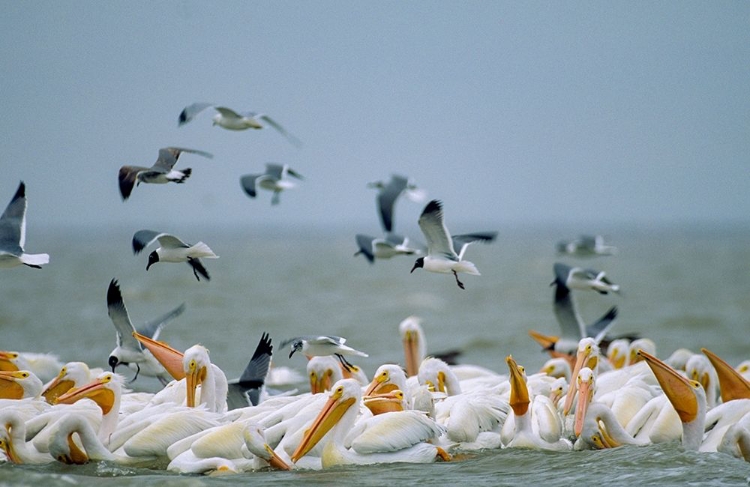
(507,111)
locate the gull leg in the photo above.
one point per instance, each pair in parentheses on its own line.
(137,371)
(460,284)
(348,366)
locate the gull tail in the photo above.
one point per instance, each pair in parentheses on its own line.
(35,260)
(185,174)
(201,250)
(467,267)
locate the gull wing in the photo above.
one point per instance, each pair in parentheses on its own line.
(274,170)
(13,223)
(228,112)
(144,238)
(387,199)
(462,241)
(365,246)
(127,178)
(435,232)
(571,324)
(246,390)
(291,138)
(294,173)
(118,313)
(248,184)
(191,111)
(152,328)
(600,328)
(168,157)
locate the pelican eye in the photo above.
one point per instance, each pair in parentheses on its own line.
(24,375)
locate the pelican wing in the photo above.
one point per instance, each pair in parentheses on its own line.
(393,431)
(13,223)
(434,230)
(191,111)
(118,313)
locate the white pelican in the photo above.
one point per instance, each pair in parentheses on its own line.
(43,365)
(232,120)
(172,249)
(13,234)
(129,351)
(744,369)
(699,368)
(161,172)
(274,179)
(679,358)
(586,356)
(524,435)
(20,384)
(617,353)
(13,440)
(557,367)
(441,254)
(436,374)
(736,441)
(323,372)
(312,346)
(72,375)
(385,438)
(415,345)
(645,344)
(732,383)
(105,390)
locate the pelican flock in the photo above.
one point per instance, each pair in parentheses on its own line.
(596,391)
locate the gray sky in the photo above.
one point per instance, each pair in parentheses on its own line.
(509,112)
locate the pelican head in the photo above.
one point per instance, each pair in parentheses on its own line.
(414,343)
(345,394)
(153,258)
(323,372)
(18,384)
(195,364)
(387,379)
(255,441)
(419,263)
(8,360)
(587,356)
(585,385)
(73,374)
(519,392)
(103,390)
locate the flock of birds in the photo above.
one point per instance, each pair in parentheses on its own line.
(596,391)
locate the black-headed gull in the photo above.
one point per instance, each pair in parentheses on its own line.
(161,172)
(441,255)
(274,179)
(318,346)
(13,234)
(232,120)
(172,249)
(129,351)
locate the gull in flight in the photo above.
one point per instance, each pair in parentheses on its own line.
(13,234)
(586,246)
(231,120)
(161,172)
(172,249)
(246,391)
(388,194)
(383,248)
(274,179)
(320,346)
(441,255)
(129,351)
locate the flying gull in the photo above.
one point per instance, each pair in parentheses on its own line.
(246,390)
(231,120)
(585,246)
(129,351)
(388,194)
(13,234)
(441,255)
(319,346)
(383,248)
(172,249)
(274,179)
(161,172)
